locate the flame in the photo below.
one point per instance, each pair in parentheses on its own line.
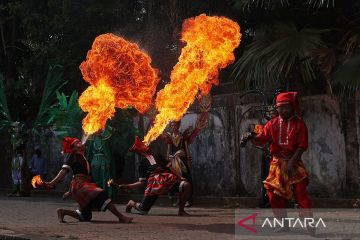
(110,182)
(120,75)
(36,181)
(258,128)
(99,101)
(210,42)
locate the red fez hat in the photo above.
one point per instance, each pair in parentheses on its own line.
(289,98)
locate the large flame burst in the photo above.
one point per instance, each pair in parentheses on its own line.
(210,42)
(120,75)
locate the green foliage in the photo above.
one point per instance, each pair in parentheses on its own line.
(277,52)
(292,41)
(348,74)
(54,82)
(66,116)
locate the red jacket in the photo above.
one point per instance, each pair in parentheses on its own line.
(284,137)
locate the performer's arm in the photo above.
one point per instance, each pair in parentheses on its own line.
(191,133)
(257,141)
(293,160)
(66,195)
(59,177)
(132,185)
(264,137)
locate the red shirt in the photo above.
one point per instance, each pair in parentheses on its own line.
(285,137)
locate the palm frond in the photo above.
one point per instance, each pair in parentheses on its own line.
(276,54)
(66,116)
(247,5)
(348,75)
(321,3)
(54,82)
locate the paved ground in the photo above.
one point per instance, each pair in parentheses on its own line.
(35,218)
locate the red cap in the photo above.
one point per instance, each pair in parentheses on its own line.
(289,98)
(68,142)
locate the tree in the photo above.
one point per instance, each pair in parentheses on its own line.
(292,42)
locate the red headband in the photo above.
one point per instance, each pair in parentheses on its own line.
(68,142)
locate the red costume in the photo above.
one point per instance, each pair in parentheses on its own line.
(285,138)
(82,189)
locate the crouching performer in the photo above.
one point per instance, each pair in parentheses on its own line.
(158,181)
(89,196)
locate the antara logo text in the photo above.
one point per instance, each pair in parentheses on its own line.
(281,222)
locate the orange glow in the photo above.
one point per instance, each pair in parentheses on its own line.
(120,75)
(258,128)
(36,181)
(110,182)
(210,42)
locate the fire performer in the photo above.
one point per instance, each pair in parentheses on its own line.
(178,146)
(178,142)
(87,194)
(158,181)
(288,138)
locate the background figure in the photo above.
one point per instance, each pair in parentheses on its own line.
(16,166)
(178,145)
(38,164)
(100,159)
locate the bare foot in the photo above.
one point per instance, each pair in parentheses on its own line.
(60,214)
(125,219)
(183,214)
(129,206)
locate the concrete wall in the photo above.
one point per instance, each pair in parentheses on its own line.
(326,157)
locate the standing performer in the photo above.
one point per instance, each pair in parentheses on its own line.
(158,181)
(86,194)
(288,138)
(16,167)
(99,154)
(178,142)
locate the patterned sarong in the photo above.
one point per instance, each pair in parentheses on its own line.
(160,182)
(279,182)
(83,190)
